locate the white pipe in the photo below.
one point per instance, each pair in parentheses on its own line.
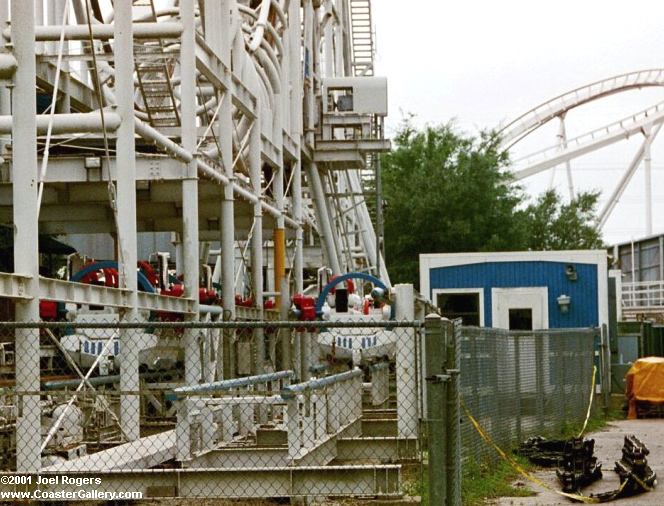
(8,65)
(309,98)
(206,309)
(168,11)
(67,123)
(165,29)
(328,31)
(271,70)
(259,31)
(152,134)
(149,133)
(5,94)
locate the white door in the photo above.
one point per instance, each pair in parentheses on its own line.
(520,308)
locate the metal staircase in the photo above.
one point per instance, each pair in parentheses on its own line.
(153,71)
(362,37)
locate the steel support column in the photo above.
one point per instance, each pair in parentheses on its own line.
(647,171)
(309,95)
(5,93)
(613,200)
(323,218)
(255,170)
(225,139)
(123,49)
(26,229)
(192,355)
(295,70)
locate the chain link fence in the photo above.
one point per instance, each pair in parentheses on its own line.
(210,410)
(263,410)
(509,385)
(520,384)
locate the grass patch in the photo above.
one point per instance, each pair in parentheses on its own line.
(489,481)
(597,421)
(416,481)
(479,482)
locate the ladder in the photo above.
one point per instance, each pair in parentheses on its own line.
(153,71)
(362,37)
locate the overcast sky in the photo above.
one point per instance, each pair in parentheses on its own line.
(483,63)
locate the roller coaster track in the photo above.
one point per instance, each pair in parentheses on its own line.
(640,122)
(647,122)
(543,113)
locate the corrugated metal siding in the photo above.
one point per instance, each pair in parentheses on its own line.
(583,308)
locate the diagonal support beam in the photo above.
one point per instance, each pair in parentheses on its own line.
(627,176)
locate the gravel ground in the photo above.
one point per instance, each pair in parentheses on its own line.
(608,444)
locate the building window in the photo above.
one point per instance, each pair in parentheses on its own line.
(460,305)
(521,318)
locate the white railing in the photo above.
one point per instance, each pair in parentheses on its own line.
(643,294)
(312,413)
(380,383)
(206,422)
(320,409)
(623,126)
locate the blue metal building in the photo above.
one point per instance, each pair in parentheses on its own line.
(519,290)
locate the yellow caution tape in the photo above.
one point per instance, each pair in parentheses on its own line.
(519,468)
(590,402)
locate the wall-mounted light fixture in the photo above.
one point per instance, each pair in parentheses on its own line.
(570,272)
(563,303)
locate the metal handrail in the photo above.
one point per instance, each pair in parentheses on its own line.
(290,392)
(221,386)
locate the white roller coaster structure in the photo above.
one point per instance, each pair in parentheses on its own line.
(216,120)
(647,123)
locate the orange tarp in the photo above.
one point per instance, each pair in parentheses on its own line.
(644,382)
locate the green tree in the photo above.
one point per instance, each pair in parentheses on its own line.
(445,192)
(555,225)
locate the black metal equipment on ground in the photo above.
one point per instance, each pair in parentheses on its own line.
(636,476)
(577,465)
(543,452)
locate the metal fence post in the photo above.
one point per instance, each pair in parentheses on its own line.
(517,385)
(453,414)
(539,379)
(475,381)
(559,363)
(436,385)
(605,371)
